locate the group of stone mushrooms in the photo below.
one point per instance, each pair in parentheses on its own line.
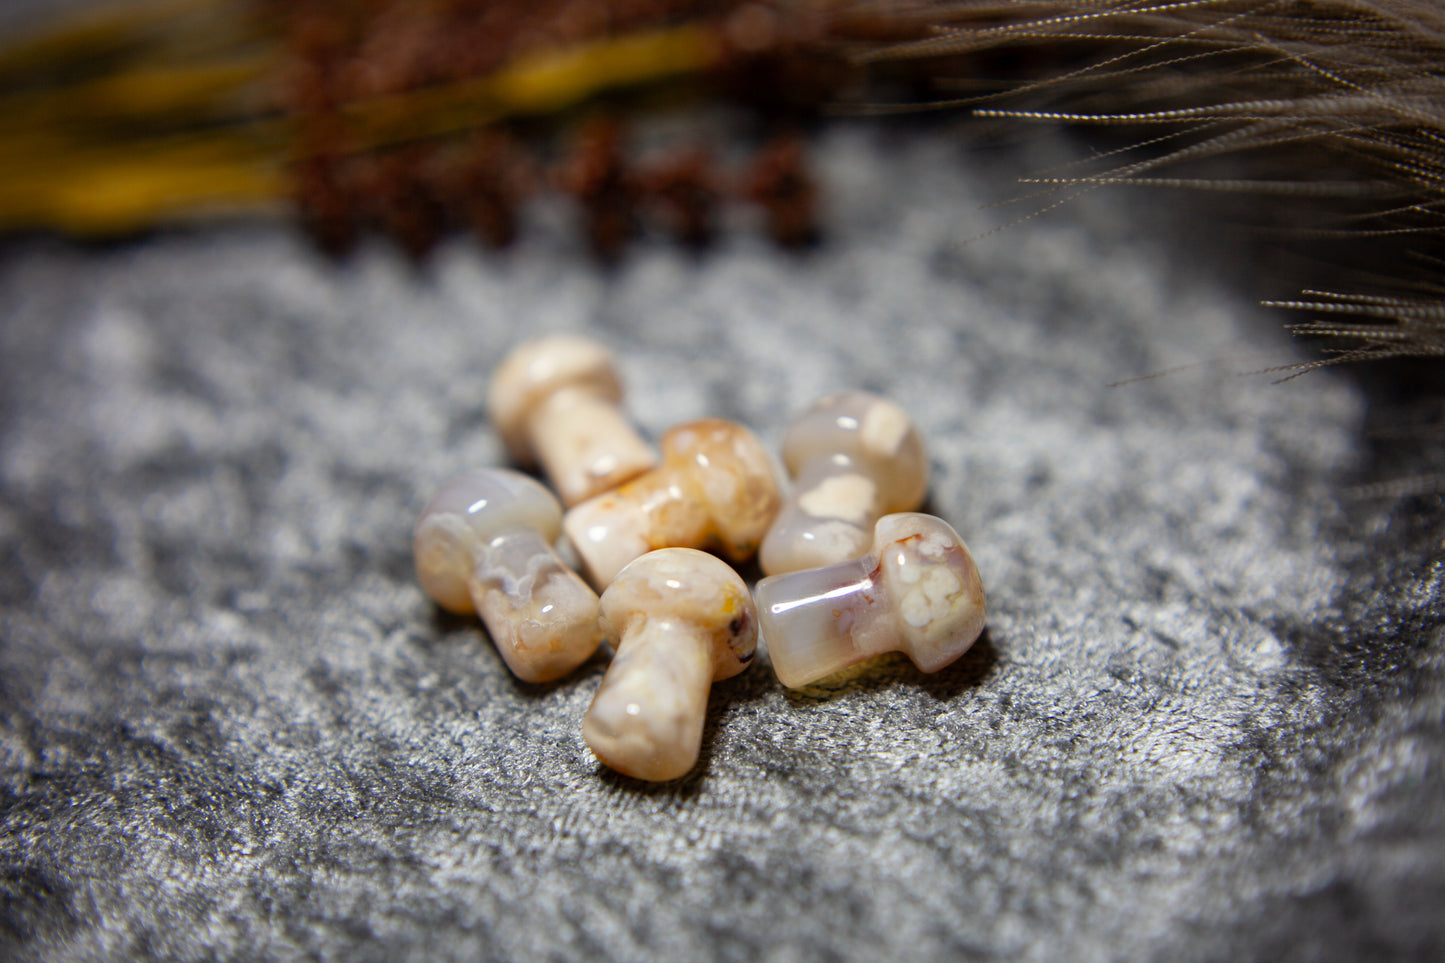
(852,571)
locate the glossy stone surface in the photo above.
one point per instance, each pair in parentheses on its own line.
(854,457)
(483,544)
(555,402)
(918,591)
(682,619)
(715,489)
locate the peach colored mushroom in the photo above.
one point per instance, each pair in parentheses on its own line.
(715,489)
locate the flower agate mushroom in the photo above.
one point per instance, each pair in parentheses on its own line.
(683,620)
(555,402)
(916,591)
(854,457)
(484,544)
(714,488)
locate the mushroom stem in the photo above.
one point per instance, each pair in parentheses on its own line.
(585,445)
(825,621)
(646,720)
(529,601)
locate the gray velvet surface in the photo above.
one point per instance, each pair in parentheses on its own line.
(1207,720)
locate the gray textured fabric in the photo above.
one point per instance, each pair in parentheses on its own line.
(1205,722)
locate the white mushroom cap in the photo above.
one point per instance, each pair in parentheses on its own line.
(874,434)
(929,573)
(537,369)
(692,587)
(465,514)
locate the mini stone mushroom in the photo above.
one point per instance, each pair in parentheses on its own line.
(916,591)
(683,620)
(484,545)
(854,457)
(715,488)
(555,400)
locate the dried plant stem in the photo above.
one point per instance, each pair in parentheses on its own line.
(151,142)
(533,85)
(1340,103)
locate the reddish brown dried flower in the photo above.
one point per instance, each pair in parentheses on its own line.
(598,176)
(400,202)
(781,182)
(489,180)
(682,190)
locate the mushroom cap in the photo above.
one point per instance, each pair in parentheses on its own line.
(467,513)
(538,368)
(937,596)
(687,586)
(734,476)
(876,437)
